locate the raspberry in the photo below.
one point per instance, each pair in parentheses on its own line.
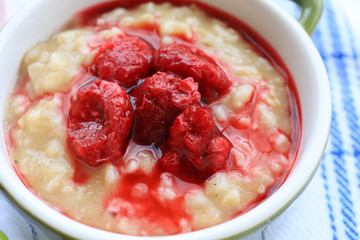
(189,61)
(192,130)
(196,142)
(123,59)
(169,162)
(158,101)
(217,154)
(100,119)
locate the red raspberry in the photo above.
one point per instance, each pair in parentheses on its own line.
(189,61)
(192,130)
(217,154)
(123,59)
(158,101)
(197,143)
(100,119)
(169,162)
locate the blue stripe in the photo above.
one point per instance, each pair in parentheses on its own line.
(347,101)
(343,186)
(347,210)
(340,170)
(317,38)
(263,233)
(33,232)
(340,56)
(343,193)
(355,136)
(338,161)
(328,199)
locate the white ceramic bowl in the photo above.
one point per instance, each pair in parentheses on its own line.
(41,17)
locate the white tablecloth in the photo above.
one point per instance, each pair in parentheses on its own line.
(330,207)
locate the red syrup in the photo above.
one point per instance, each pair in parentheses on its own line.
(147,207)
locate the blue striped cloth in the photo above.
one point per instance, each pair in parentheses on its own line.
(340,168)
(330,207)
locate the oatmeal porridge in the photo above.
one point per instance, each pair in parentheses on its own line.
(152,119)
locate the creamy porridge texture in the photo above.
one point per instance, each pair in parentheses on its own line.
(154,119)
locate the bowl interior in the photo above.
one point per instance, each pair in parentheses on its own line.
(277,27)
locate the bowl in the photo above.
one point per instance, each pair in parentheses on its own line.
(39,18)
